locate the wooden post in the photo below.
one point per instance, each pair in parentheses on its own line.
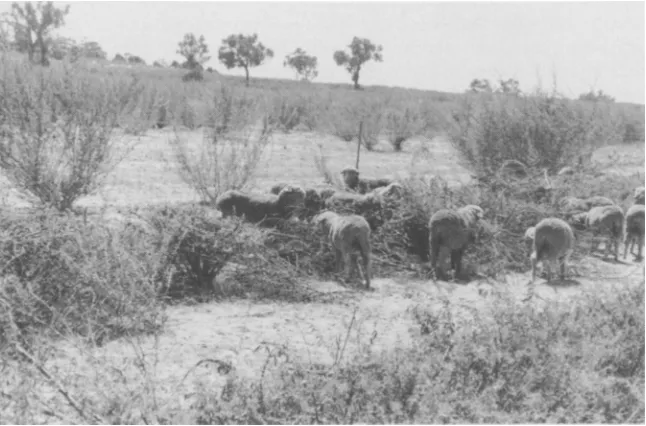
(359,144)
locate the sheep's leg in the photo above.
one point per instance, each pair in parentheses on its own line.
(534,261)
(347,259)
(456,261)
(365,256)
(563,263)
(639,248)
(435,252)
(547,264)
(337,257)
(628,242)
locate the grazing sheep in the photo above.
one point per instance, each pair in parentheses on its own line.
(598,201)
(353,182)
(553,241)
(639,195)
(347,233)
(394,190)
(608,220)
(634,229)
(454,229)
(258,207)
(314,198)
(579,221)
(573,205)
(529,238)
(367,205)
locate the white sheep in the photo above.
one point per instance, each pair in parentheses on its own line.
(553,241)
(634,229)
(598,201)
(608,221)
(347,232)
(454,229)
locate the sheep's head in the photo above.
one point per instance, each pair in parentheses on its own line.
(291,198)
(350,177)
(277,188)
(579,221)
(475,213)
(322,220)
(639,195)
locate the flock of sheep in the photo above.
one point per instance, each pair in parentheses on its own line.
(341,214)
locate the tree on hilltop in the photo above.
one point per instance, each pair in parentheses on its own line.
(303,64)
(195,51)
(362,50)
(599,96)
(241,51)
(32,24)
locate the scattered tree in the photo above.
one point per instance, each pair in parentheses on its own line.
(480,86)
(134,59)
(195,51)
(303,64)
(362,50)
(175,64)
(509,87)
(32,24)
(241,51)
(119,58)
(596,97)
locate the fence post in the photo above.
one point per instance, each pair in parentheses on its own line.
(359,144)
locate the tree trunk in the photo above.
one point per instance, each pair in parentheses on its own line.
(355,78)
(246,70)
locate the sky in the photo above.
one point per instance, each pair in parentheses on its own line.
(439,46)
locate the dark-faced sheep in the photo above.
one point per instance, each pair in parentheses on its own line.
(608,221)
(553,241)
(639,195)
(453,229)
(394,190)
(634,230)
(347,233)
(314,198)
(262,207)
(353,182)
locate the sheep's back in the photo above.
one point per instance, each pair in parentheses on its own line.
(606,218)
(635,219)
(449,228)
(553,238)
(349,229)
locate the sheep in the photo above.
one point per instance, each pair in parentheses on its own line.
(634,229)
(394,190)
(578,221)
(454,229)
(262,207)
(314,198)
(553,241)
(353,182)
(598,201)
(607,220)
(367,205)
(529,238)
(639,195)
(573,205)
(347,232)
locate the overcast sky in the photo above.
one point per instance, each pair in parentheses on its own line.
(438,46)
